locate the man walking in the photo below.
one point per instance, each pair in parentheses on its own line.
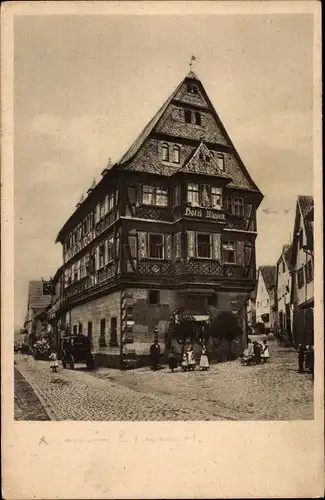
(155,354)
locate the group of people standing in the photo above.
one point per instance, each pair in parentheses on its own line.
(257,351)
(186,361)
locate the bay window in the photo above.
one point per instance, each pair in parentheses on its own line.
(203,243)
(156,246)
(216,197)
(155,195)
(229,254)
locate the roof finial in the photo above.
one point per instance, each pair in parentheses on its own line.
(193,58)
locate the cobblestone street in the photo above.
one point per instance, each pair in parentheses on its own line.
(229,391)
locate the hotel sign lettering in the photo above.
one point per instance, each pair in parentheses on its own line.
(204,213)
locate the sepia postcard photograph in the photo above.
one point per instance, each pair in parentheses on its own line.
(166,199)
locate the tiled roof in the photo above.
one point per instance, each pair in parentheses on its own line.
(306,204)
(269,276)
(36,299)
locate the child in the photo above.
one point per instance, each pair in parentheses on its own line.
(265,352)
(191,359)
(184,364)
(204,361)
(54,364)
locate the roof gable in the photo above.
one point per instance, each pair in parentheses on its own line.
(203,162)
(303,219)
(269,276)
(36,299)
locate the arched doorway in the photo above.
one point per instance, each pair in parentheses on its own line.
(186,325)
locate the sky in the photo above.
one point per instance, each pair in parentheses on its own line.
(85,86)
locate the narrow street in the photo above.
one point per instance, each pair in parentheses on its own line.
(229,391)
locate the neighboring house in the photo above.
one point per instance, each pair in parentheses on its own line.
(283,287)
(39,298)
(266,297)
(302,263)
(251,310)
(170,228)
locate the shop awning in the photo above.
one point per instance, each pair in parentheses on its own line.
(201,317)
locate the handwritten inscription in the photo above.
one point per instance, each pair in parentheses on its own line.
(204,213)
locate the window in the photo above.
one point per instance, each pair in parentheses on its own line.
(165,152)
(212,300)
(235,206)
(301,238)
(85,227)
(197,118)
(188,116)
(102,339)
(102,209)
(133,246)
(82,267)
(154,296)
(148,195)
(204,246)
(75,272)
(309,272)
(221,162)
(161,196)
(216,197)
(156,246)
(192,89)
(75,329)
(87,265)
(177,194)
(300,277)
(101,255)
(155,195)
(113,338)
(229,252)
(176,154)
(110,246)
(80,329)
(193,194)
(110,202)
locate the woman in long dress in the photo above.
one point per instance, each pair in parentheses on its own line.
(204,361)
(265,354)
(191,359)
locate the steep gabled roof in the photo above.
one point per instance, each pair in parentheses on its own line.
(304,211)
(269,276)
(202,161)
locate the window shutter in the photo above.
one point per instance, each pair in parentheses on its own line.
(190,244)
(216,246)
(142,245)
(240,253)
(178,245)
(168,246)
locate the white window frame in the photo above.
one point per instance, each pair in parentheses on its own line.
(101,264)
(110,249)
(229,246)
(176,154)
(221,161)
(216,193)
(165,152)
(155,196)
(190,191)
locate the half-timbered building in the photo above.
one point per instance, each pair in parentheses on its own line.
(170,227)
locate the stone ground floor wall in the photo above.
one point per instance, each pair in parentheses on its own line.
(145,317)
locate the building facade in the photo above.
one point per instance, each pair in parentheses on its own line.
(169,228)
(251,311)
(302,263)
(39,299)
(283,286)
(266,297)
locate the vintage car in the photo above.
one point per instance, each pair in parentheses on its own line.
(76,349)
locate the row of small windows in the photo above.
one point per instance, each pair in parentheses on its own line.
(305,274)
(193,117)
(173,155)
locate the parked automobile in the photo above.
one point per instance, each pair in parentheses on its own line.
(76,349)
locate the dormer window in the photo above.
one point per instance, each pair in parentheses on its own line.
(165,152)
(176,154)
(221,162)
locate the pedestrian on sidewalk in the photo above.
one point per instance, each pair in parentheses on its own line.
(204,361)
(190,358)
(265,354)
(155,354)
(54,361)
(301,358)
(257,352)
(172,359)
